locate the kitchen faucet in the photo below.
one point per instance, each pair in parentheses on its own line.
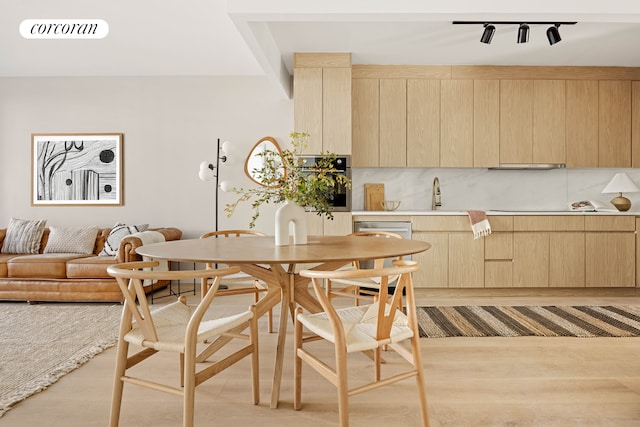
(435,194)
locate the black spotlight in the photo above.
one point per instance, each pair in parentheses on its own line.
(553,34)
(487,34)
(523,33)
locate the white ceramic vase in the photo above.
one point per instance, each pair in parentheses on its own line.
(291,213)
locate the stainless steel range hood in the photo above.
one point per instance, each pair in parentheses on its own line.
(529,166)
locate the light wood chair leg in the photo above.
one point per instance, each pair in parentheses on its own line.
(118,385)
(343,387)
(189,390)
(420,380)
(255,358)
(297,365)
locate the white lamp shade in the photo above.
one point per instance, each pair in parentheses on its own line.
(621,183)
(225,148)
(226,186)
(206,173)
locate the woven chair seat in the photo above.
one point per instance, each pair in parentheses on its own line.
(359,325)
(171,324)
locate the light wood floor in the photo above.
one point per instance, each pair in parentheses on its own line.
(525,381)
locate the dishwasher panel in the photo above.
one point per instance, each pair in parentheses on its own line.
(402,228)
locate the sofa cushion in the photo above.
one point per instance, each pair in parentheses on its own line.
(3,263)
(40,265)
(23,236)
(71,240)
(92,267)
(117,233)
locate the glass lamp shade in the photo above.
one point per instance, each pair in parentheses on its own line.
(225,148)
(206,172)
(621,183)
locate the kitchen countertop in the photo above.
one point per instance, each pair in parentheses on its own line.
(489,213)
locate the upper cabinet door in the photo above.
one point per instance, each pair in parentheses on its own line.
(365,132)
(486,123)
(614,124)
(393,122)
(307,106)
(635,124)
(516,121)
(423,123)
(456,126)
(549,124)
(582,123)
(336,110)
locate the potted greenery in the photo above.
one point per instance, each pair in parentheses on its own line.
(282,180)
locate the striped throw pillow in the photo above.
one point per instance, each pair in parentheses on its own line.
(117,233)
(23,236)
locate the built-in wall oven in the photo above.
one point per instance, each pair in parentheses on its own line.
(341,198)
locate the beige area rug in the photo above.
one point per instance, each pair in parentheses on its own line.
(41,343)
(543,321)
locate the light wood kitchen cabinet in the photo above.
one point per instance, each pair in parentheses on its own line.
(393,123)
(455,259)
(549,100)
(581,116)
(532,121)
(635,124)
(336,110)
(456,123)
(466,261)
(614,124)
(486,123)
(434,263)
(610,251)
(322,100)
(531,259)
(543,253)
(567,259)
(516,121)
(307,115)
(610,259)
(423,123)
(582,123)
(365,119)
(498,253)
(561,251)
(342,224)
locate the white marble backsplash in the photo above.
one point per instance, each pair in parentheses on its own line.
(484,189)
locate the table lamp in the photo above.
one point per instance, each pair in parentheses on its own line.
(621,183)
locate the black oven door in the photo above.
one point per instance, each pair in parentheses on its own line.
(340,199)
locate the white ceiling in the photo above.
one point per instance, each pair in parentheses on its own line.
(258,37)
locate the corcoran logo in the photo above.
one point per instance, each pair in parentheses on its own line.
(64,28)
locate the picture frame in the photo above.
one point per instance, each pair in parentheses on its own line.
(76,169)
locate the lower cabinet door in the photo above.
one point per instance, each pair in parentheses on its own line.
(610,259)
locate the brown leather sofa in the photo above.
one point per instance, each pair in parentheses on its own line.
(69,277)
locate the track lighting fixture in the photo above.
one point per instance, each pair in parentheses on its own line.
(487,34)
(523,33)
(553,35)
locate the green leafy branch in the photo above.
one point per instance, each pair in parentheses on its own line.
(283,179)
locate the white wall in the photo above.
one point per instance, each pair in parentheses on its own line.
(169,124)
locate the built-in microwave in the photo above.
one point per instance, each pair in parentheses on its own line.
(341,199)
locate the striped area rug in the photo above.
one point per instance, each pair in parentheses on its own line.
(517,321)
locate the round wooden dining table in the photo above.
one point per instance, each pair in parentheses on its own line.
(277,267)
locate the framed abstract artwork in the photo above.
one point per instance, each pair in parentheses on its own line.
(76,169)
